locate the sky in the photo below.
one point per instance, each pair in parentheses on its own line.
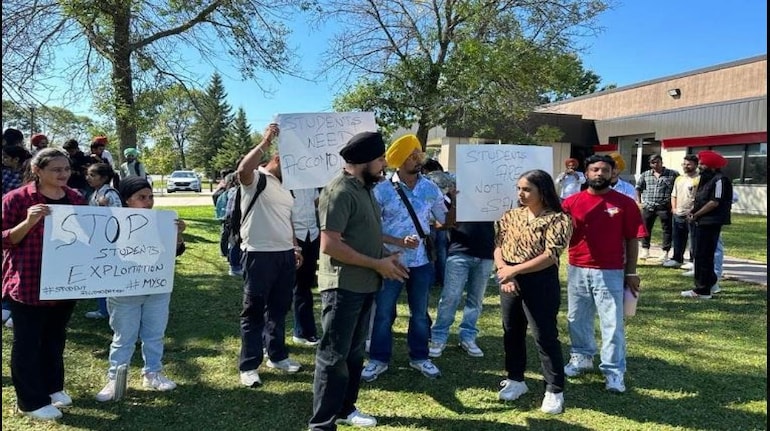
(641,40)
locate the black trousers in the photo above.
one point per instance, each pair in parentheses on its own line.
(665,216)
(269,279)
(707,237)
(37,354)
(304,315)
(340,356)
(536,304)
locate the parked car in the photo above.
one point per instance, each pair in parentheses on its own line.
(183,180)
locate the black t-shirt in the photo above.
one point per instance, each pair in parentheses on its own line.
(718,188)
(475,239)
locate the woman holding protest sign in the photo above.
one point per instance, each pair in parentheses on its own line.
(142,316)
(40,327)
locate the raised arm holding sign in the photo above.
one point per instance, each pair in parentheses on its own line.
(310,145)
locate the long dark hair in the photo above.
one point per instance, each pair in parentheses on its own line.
(544,183)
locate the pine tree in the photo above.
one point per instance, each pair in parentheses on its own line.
(211,127)
(238,142)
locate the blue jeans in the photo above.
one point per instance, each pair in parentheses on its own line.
(134,317)
(417,287)
(463,273)
(340,355)
(591,291)
(719,257)
(234,257)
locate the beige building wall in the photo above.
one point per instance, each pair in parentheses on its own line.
(736,82)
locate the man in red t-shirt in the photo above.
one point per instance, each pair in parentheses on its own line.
(602,262)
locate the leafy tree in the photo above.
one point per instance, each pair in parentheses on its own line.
(161,158)
(126,47)
(175,118)
(211,126)
(464,60)
(237,143)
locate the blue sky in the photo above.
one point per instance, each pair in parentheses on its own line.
(641,40)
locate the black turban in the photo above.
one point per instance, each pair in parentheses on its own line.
(363,148)
(131,185)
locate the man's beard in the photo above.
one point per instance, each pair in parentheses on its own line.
(370,179)
(598,184)
(688,170)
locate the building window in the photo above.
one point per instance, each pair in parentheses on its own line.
(746,164)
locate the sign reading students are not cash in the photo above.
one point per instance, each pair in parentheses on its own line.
(310,144)
(487,176)
(95,252)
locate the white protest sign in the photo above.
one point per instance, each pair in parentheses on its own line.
(309,145)
(487,177)
(94,252)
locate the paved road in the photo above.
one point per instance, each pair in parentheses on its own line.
(181,199)
(733,268)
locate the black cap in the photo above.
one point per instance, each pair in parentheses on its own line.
(363,148)
(131,185)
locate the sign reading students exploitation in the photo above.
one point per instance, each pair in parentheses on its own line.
(487,176)
(310,144)
(94,252)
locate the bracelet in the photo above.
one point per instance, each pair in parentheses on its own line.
(631,275)
(297,249)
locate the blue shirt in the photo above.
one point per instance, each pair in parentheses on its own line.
(428,204)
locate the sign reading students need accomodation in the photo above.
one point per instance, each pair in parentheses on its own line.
(487,176)
(309,145)
(95,252)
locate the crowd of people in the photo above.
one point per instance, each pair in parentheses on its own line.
(362,239)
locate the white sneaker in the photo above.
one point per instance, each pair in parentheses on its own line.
(644,253)
(472,349)
(436,349)
(690,273)
(694,295)
(715,289)
(663,257)
(511,390)
(60,399)
(671,263)
(157,381)
(288,365)
(358,419)
(6,314)
(578,364)
(372,370)
(687,266)
(45,413)
(250,378)
(9,324)
(615,383)
(306,341)
(95,315)
(427,368)
(107,392)
(553,403)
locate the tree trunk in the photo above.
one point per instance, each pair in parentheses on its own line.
(422,134)
(122,79)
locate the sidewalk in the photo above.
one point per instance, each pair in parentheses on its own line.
(734,268)
(183,199)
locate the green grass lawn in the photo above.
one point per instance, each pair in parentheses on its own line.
(691,365)
(746,237)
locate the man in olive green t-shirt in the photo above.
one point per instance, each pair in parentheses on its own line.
(351,268)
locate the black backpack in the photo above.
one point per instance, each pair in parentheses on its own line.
(235,219)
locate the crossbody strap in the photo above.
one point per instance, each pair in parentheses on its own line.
(261,183)
(400,191)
